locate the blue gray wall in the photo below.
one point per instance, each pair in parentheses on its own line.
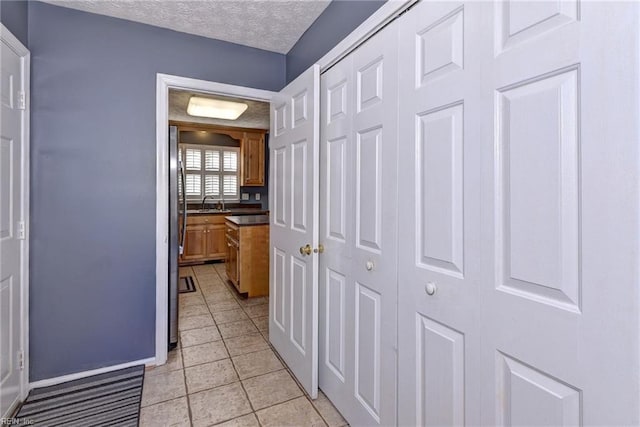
(339,19)
(13,14)
(92,295)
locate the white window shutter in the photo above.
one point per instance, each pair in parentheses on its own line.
(212,160)
(230,183)
(212,185)
(230,161)
(193,184)
(193,159)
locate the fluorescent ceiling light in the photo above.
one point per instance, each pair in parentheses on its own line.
(215,108)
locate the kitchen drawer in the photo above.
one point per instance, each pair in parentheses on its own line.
(233,231)
(205,219)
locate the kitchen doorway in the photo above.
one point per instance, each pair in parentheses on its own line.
(166,83)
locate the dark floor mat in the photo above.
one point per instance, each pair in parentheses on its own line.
(186,284)
(100,400)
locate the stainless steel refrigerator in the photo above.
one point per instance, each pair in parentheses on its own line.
(177,233)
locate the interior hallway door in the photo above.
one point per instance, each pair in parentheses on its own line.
(12,226)
(358,228)
(293,202)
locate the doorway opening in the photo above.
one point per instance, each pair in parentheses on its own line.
(217,176)
(165,85)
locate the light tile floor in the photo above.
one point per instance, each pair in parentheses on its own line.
(224,371)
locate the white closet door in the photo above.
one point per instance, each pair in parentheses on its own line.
(337,204)
(293,281)
(518,262)
(441,121)
(358,271)
(560,209)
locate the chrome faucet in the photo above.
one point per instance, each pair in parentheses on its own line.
(220,201)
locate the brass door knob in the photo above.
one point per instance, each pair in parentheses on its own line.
(319,249)
(305,250)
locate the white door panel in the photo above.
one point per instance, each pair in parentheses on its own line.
(11,192)
(512,284)
(560,298)
(358,282)
(293,320)
(517,218)
(336,232)
(439,223)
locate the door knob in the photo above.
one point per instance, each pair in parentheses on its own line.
(319,249)
(430,288)
(305,250)
(369,265)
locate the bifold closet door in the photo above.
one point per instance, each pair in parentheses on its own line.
(358,223)
(441,123)
(518,298)
(293,279)
(560,214)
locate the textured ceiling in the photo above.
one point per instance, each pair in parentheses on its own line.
(256,116)
(274,25)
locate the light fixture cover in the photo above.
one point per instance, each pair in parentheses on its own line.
(215,108)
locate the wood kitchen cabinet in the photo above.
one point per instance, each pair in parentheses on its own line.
(195,247)
(216,242)
(205,239)
(247,265)
(252,152)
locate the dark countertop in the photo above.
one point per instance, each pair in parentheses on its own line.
(227,212)
(249,220)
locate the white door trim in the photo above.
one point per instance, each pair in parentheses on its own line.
(164,82)
(20,49)
(374,23)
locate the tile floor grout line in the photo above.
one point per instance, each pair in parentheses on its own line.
(186,387)
(316,409)
(245,309)
(162,401)
(253,411)
(231,359)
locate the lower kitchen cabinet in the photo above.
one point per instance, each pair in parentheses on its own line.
(216,242)
(247,265)
(195,247)
(205,239)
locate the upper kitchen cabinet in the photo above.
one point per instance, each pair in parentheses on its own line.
(252,157)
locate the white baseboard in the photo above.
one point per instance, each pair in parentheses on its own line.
(63,379)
